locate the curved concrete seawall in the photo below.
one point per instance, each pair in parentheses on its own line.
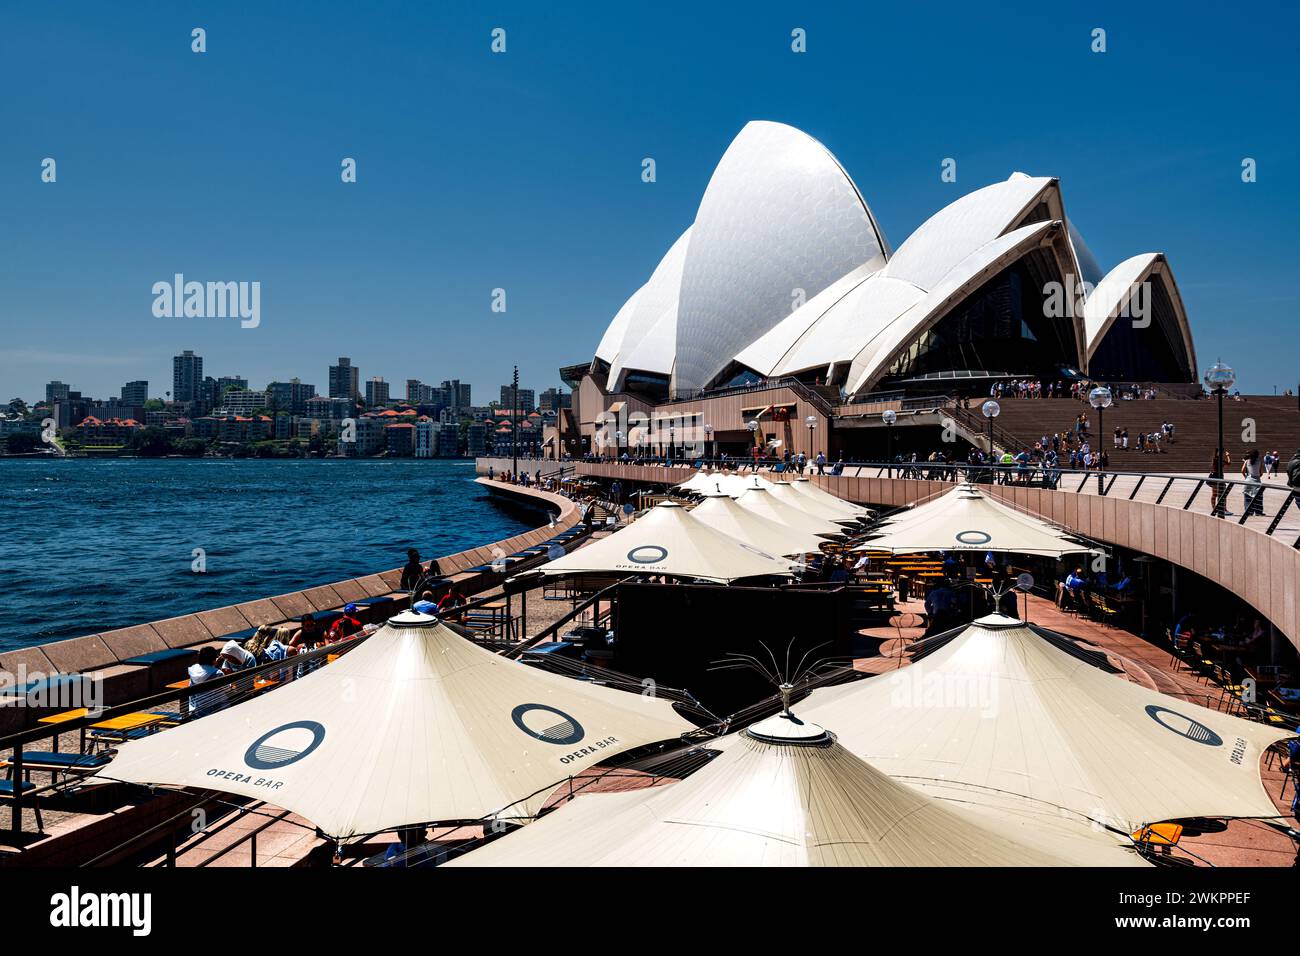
(102,655)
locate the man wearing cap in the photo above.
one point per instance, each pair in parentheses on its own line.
(345,626)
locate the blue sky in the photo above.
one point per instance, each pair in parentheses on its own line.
(522,171)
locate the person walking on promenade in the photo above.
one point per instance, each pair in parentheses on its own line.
(1253,493)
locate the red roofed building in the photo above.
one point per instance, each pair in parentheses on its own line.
(109,432)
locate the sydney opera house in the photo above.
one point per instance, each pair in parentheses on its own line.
(785,276)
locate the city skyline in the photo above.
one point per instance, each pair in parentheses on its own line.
(129,390)
(460,193)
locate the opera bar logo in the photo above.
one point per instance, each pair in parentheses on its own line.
(1183,725)
(547,724)
(285,745)
(208,300)
(553,726)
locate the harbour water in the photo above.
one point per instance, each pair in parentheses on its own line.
(88,546)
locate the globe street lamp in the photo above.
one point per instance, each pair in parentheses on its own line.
(672,441)
(811,422)
(991,410)
(752,425)
(709,450)
(1101,399)
(618,444)
(1219,378)
(889,416)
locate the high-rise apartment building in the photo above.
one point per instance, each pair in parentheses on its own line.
(187,377)
(291,396)
(376,392)
(527,398)
(345,380)
(135,393)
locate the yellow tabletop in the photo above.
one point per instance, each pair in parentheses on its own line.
(64,717)
(179,684)
(129,721)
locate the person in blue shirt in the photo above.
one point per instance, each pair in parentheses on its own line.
(1075,584)
(1291,765)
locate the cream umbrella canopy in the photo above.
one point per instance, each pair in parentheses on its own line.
(415,725)
(764,504)
(810,489)
(702,482)
(724,514)
(668,540)
(785,793)
(1000,710)
(783,491)
(964,519)
(734,484)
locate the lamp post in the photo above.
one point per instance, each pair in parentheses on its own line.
(1101,399)
(889,416)
(752,425)
(1219,378)
(709,450)
(991,410)
(672,441)
(811,422)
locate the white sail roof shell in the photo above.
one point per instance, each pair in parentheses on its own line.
(649,337)
(875,356)
(1115,294)
(779,214)
(415,725)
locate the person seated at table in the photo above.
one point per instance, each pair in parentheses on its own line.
(310,633)
(347,625)
(265,645)
(450,602)
(204,669)
(862,566)
(235,657)
(941,606)
(426,604)
(1075,585)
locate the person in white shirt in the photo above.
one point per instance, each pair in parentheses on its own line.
(204,669)
(235,657)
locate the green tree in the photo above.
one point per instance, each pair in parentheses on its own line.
(21,443)
(150,442)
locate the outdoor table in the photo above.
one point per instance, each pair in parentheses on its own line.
(128,722)
(64,717)
(1256,673)
(179,684)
